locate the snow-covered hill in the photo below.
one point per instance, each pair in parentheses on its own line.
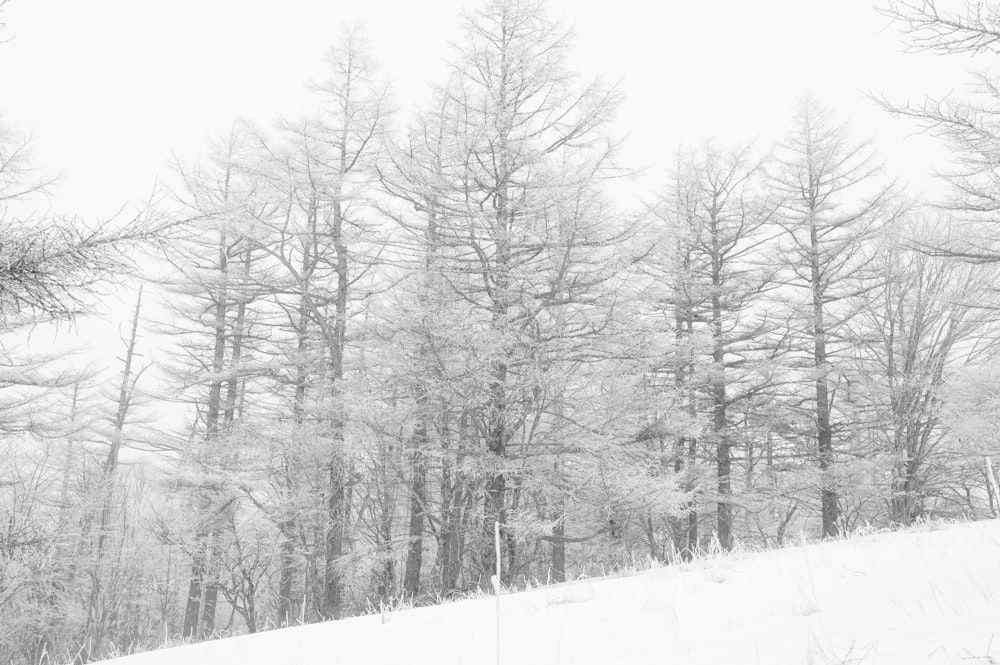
(926,596)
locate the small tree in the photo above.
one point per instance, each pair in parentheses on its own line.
(929,317)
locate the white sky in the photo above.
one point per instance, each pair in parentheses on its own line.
(109,87)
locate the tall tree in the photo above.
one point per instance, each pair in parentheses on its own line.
(323,244)
(723,223)
(513,151)
(834,201)
(211,288)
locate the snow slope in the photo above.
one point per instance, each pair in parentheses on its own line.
(925,596)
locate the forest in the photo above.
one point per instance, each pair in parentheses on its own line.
(394,331)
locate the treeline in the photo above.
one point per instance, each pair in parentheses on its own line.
(392,332)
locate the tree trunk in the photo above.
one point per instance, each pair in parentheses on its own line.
(459,500)
(418,503)
(421,439)
(286,573)
(449,539)
(208,609)
(192,611)
(691,535)
(333,600)
(559,547)
(337,507)
(238,333)
(692,518)
(824,432)
(498,266)
(95,619)
(901,498)
(495,489)
(197,588)
(287,525)
(720,425)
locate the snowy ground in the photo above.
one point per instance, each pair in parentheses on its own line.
(928,596)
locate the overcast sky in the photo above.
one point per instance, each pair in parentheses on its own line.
(110,87)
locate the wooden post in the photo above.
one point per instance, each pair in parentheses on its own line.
(496,580)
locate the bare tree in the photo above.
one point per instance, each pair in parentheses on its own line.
(322,246)
(108,491)
(723,224)
(834,201)
(929,316)
(966,123)
(502,175)
(212,292)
